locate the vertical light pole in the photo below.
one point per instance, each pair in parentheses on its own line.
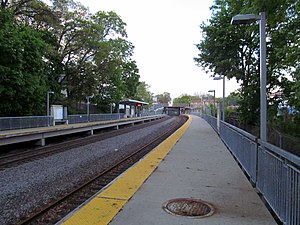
(88,107)
(246,19)
(214,91)
(223,100)
(48,102)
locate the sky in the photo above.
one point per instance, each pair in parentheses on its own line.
(164,33)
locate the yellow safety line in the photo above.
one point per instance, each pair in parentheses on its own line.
(106,205)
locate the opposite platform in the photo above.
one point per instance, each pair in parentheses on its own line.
(199,166)
(40,134)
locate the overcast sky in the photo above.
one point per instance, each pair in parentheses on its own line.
(164,33)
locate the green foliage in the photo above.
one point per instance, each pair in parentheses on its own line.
(164,98)
(232,99)
(288,125)
(183,99)
(131,77)
(96,57)
(143,93)
(233,51)
(22,69)
(66,49)
(231,113)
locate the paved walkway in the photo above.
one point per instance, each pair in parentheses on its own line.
(194,164)
(199,166)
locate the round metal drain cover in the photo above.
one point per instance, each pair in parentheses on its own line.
(194,208)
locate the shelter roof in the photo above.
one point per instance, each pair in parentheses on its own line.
(133,102)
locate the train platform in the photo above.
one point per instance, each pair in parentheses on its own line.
(40,134)
(191,178)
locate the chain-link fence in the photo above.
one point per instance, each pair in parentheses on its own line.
(11,123)
(274,171)
(84,118)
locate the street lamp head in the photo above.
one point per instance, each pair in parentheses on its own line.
(51,92)
(211,90)
(218,78)
(244,19)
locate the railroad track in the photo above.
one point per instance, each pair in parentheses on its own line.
(56,210)
(16,159)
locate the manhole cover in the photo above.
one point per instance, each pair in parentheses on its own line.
(194,208)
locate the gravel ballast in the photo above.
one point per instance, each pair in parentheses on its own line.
(31,185)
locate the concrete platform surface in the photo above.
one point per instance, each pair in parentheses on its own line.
(200,167)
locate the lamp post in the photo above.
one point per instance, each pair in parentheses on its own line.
(246,19)
(223,100)
(88,107)
(48,102)
(214,91)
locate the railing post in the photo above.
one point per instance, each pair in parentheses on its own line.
(256,160)
(218,117)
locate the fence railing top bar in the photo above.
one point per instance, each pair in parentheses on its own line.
(95,114)
(272,148)
(285,154)
(244,133)
(106,114)
(24,117)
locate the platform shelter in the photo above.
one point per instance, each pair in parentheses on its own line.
(132,108)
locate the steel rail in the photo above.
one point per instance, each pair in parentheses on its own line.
(154,142)
(31,155)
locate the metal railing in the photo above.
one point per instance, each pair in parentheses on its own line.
(243,146)
(274,171)
(11,123)
(152,112)
(211,120)
(278,180)
(84,118)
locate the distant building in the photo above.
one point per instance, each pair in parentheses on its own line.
(182,105)
(196,103)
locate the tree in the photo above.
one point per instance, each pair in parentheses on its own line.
(23,77)
(283,19)
(130,76)
(233,51)
(232,99)
(96,56)
(164,98)
(143,93)
(72,52)
(116,71)
(183,99)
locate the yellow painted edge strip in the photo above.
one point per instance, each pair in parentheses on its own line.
(106,205)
